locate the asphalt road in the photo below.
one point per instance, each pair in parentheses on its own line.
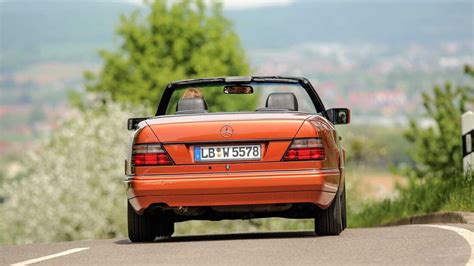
(414,244)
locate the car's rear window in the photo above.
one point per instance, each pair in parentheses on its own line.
(217,100)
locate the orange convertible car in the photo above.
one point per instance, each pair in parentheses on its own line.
(236,148)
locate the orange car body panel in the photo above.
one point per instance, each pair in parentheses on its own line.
(267,181)
(247,127)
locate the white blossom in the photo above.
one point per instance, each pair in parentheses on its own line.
(72,186)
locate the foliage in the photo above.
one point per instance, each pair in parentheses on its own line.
(177,40)
(71,187)
(437,150)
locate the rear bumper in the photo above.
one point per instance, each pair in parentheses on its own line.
(242,188)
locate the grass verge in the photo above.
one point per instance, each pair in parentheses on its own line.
(431,195)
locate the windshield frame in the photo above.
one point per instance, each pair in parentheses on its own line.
(173,86)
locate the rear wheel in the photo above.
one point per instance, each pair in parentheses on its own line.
(141,228)
(344,215)
(329,221)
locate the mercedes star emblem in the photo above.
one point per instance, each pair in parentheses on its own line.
(226,131)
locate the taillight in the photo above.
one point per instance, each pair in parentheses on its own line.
(149,154)
(305,149)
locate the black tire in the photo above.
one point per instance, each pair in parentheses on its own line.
(328,222)
(165,227)
(344,212)
(141,228)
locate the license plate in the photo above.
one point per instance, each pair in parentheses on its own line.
(227,153)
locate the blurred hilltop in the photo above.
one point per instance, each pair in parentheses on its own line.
(377,22)
(373,56)
(72,30)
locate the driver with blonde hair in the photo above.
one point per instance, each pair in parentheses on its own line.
(192,93)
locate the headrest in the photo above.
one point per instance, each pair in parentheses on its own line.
(191,105)
(282,100)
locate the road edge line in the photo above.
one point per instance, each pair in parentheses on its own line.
(52,256)
(464,233)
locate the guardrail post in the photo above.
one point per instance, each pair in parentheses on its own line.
(467,141)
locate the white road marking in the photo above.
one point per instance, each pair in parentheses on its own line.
(466,234)
(52,256)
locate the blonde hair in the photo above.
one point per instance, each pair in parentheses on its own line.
(192,93)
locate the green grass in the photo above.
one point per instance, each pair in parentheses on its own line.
(431,195)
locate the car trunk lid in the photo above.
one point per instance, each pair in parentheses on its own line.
(238,127)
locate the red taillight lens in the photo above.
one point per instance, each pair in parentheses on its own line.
(305,149)
(149,154)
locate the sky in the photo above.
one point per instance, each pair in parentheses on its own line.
(242,4)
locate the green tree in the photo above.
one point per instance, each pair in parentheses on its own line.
(437,150)
(175,40)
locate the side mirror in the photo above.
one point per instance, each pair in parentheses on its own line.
(339,116)
(132,123)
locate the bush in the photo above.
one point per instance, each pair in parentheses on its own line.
(72,184)
(437,150)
